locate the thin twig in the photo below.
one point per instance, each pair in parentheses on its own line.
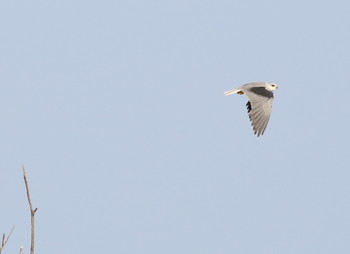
(21,250)
(5,239)
(2,242)
(32,212)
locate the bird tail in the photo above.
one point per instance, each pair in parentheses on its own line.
(238,91)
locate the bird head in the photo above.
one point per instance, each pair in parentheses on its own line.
(271,86)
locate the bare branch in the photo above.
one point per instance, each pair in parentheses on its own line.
(2,242)
(32,212)
(21,250)
(5,239)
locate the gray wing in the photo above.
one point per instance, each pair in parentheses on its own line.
(259,107)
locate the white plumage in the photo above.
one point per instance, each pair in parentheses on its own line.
(259,106)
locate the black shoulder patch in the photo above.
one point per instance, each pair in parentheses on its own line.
(249,106)
(262,92)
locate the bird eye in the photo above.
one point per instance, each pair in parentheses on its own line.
(273,85)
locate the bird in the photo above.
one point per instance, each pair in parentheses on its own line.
(259,105)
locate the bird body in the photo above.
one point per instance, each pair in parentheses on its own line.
(259,105)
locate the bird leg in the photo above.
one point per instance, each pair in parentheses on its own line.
(238,91)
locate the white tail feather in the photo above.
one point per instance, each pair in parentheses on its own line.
(232,91)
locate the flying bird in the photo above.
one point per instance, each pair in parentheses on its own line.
(259,105)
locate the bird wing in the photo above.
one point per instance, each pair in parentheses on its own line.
(259,107)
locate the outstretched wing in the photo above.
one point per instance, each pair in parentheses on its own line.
(259,107)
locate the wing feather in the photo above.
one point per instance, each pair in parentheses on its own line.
(260,110)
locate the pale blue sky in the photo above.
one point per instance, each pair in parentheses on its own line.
(116,108)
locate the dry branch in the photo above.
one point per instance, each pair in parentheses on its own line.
(5,239)
(32,212)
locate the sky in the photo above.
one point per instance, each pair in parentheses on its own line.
(116,110)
